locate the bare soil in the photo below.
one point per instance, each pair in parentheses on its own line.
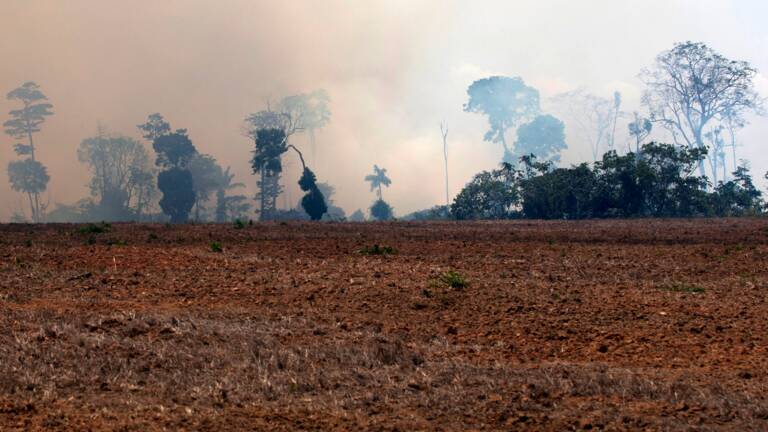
(603,325)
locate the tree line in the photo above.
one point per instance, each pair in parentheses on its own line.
(699,97)
(127,185)
(661,180)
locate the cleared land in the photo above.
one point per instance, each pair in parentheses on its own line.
(645,324)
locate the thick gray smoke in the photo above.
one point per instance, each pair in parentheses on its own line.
(394,70)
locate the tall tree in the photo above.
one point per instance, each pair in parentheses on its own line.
(378,179)
(27,121)
(270,145)
(544,137)
(506,101)
(293,114)
(23,124)
(30,177)
(270,131)
(691,86)
(174,152)
(122,179)
(229,206)
(207,177)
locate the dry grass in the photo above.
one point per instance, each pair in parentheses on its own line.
(564,326)
(127,362)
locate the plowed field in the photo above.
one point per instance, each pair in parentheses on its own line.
(603,325)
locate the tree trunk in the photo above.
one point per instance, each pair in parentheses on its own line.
(261,193)
(312,146)
(32,207)
(37,217)
(444,133)
(700,144)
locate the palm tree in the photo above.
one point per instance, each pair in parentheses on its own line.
(223,201)
(377,179)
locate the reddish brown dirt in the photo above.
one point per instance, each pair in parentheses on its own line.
(614,325)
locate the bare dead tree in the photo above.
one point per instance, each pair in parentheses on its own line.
(592,115)
(691,86)
(444,134)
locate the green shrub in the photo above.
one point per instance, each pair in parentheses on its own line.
(216,247)
(95,229)
(453,279)
(377,250)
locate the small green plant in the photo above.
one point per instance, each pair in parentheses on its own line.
(376,250)
(95,228)
(216,247)
(683,287)
(117,243)
(239,224)
(453,279)
(152,236)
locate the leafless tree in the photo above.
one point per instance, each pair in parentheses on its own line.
(595,117)
(444,134)
(692,87)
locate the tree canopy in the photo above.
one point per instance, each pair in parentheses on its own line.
(378,179)
(506,102)
(121,176)
(544,137)
(174,150)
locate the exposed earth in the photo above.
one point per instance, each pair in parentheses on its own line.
(602,325)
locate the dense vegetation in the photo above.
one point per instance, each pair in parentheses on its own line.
(659,181)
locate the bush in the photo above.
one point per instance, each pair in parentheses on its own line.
(490,195)
(178,190)
(95,229)
(381,211)
(216,247)
(377,250)
(453,280)
(440,212)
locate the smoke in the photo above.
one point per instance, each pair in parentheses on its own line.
(394,70)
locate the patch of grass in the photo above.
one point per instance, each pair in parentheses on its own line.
(683,287)
(239,224)
(117,243)
(377,250)
(453,279)
(95,228)
(216,247)
(152,236)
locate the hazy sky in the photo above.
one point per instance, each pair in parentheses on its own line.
(394,70)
